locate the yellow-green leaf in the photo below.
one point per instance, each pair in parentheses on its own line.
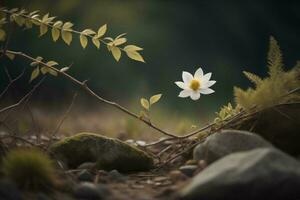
(135,56)
(83,40)
(96,42)
(102,31)
(58,24)
(52,72)
(67,26)
(10,55)
(2,35)
(119,41)
(155,98)
(28,24)
(145,103)
(44,70)
(67,37)
(35,73)
(43,29)
(51,63)
(64,69)
(132,48)
(88,32)
(116,52)
(55,34)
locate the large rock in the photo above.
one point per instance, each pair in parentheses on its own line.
(226,142)
(263,173)
(107,152)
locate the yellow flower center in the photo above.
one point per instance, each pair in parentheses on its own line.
(195,85)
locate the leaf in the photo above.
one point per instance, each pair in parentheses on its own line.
(88,32)
(121,35)
(145,103)
(67,37)
(155,98)
(43,29)
(51,63)
(10,55)
(96,42)
(132,48)
(58,24)
(135,56)
(28,24)
(44,70)
(35,73)
(55,34)
(119,41)
(102,31)
(116,52)
(64,69)
(52,72)
(67,26)
(83,41)
(2,35)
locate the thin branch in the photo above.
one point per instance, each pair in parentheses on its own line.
(85,87)
(24,98)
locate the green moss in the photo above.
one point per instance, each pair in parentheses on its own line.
(107,152)
(29,169)
(271,90)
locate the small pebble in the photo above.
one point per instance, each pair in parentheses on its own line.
(87,165)
(191,162)
(85,175)
(117,176)
(188,170)
(202,164)
(90,191)
(176,175)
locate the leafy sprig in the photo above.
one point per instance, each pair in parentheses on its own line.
(65,31)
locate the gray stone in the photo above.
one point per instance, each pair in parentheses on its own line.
(188,170)
(262,173)
(9,191)
(87,165)
(108,153)
(85,175)
(226,142)
(116,176)
(90,191)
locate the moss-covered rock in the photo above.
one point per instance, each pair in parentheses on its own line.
(109,153)
(278,124)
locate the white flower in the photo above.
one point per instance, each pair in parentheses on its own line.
(194,85)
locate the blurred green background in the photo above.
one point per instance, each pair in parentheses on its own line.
(222,37)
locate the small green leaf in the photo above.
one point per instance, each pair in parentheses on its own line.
(132,48)
(67,37)
(155,98)
(55,34)
(102,31)
(67,26)
(88,32)
(43,29)
(58,24)
(52,72)
(83,41)
(10,55)
(44,70)
(96,42)
(35,73)
(119,41)
(2,35)
(64,69)
(135,56)
(116,52)
(145,103)
(51,63)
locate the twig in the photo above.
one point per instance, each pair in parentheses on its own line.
(85,87)
(64,117)
(24,98)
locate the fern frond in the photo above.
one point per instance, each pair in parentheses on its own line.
(275,62)
(253,78)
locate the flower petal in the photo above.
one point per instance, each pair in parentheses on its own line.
(207,76)
(206,91)
(187,77)
(180,84)
(195,95)
(184,93)
(208,84)
(198,74)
